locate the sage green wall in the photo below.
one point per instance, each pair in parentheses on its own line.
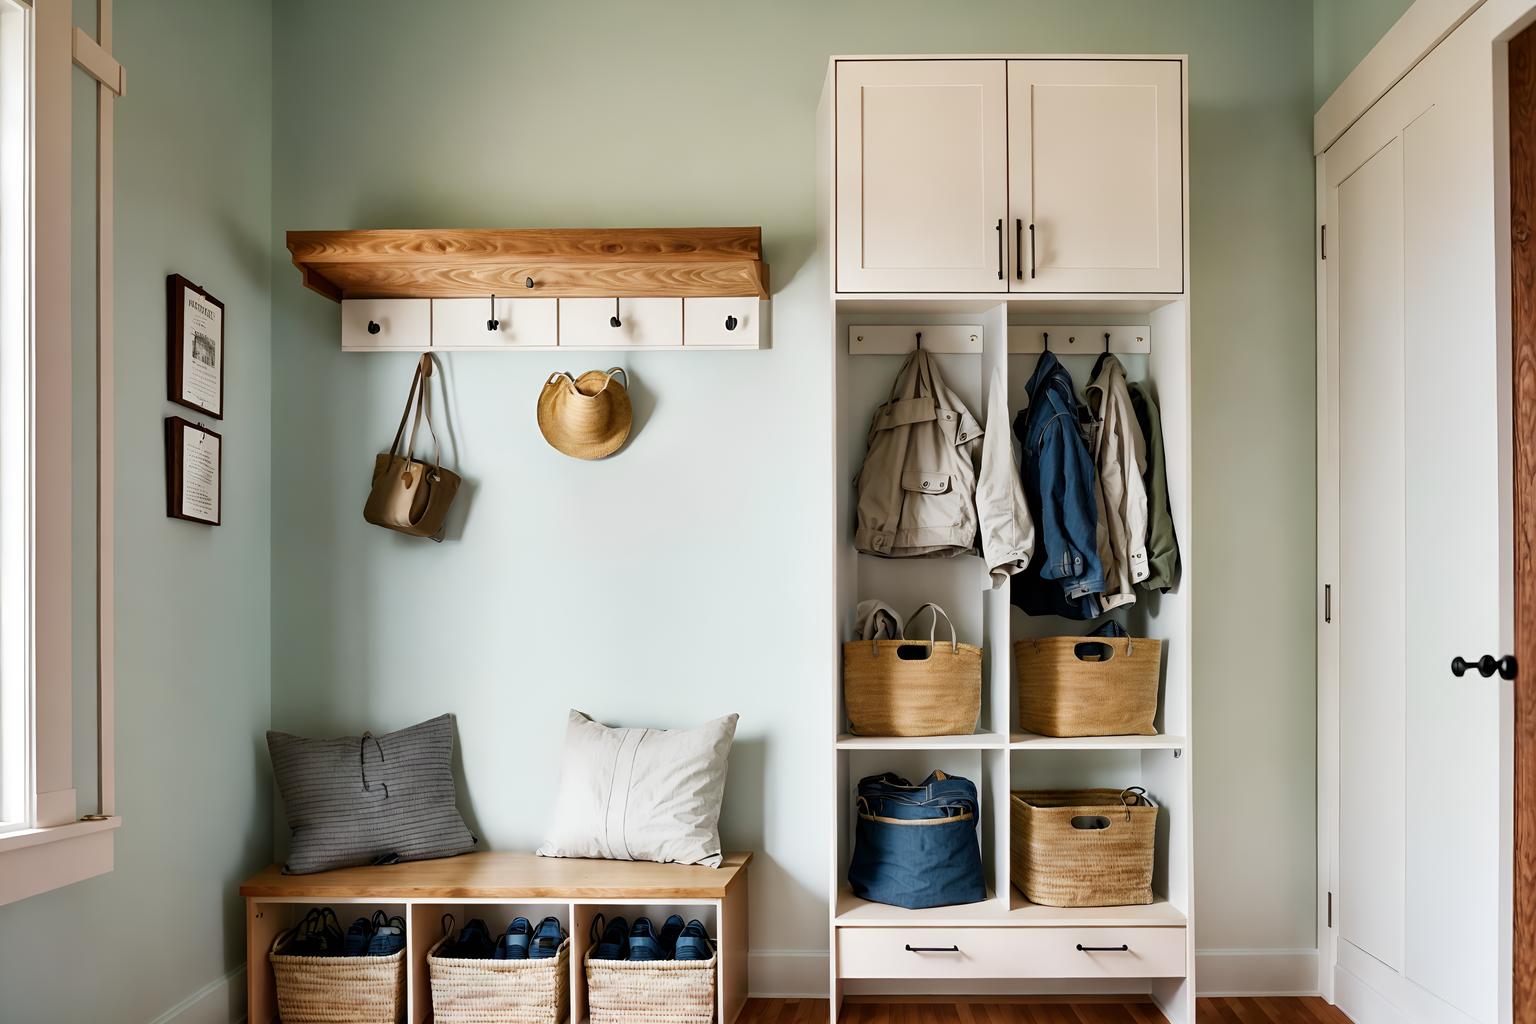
(1343,32)
(193,150)
(682,580)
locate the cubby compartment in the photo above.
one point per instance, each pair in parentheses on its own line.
(427,929)
(268,921)
(675,992)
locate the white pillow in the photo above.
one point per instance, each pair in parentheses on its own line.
(641,794)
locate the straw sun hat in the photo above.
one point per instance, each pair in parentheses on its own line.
(588,417)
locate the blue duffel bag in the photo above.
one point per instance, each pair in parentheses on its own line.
(916,846)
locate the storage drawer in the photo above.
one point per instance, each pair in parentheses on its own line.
(521,323)
(1011,952)
(722,323)
(644,323)
(401,324)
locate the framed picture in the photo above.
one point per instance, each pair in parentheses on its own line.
(193,470)
(195,353)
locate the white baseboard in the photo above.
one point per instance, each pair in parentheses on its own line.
(789,973)
(1256,972)
(221,1001)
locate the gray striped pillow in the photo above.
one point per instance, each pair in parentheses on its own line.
(370,799)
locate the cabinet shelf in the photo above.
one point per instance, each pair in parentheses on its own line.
(970,304)
(1019,912)
(975,741)
(1034,741)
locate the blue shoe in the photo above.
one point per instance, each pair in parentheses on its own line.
(388,935)
(513,945)
(474,942)
(643,944)
(693,943)
(358,937)
(614,941)
(319,934)
(669,933)
(547,938)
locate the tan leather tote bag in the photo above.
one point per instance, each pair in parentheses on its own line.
(409,495)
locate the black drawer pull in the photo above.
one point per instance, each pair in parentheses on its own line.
(935,949)
(1102,949)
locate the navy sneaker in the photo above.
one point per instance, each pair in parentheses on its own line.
(358,937)
(547,938)
(693,943)
(513,944)
(614,941)
(474,942)
(388,935)
(643,944)
(669,933)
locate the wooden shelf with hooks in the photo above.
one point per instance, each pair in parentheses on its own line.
(532,262)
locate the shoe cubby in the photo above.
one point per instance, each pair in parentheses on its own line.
(426,928)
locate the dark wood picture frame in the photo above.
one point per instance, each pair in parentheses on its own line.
(176,290)
(175,436)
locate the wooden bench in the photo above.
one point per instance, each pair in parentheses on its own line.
(498,887)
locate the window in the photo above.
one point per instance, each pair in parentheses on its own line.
(16,334)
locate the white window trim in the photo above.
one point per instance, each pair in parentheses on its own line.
(60,849)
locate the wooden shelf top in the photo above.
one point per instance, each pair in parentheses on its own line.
(561,262)
(495,875)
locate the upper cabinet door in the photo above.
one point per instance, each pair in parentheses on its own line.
(922,176)
(1096,175)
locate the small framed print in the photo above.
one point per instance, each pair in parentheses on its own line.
(195,353)
(193,471)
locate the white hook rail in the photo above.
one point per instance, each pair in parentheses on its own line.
(1078,339)
(899,339)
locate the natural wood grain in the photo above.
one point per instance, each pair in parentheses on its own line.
(1035,1010)
(564,262)
(1522,184)
(503,876)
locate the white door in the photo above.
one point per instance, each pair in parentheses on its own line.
(1413,358)
(1096,175)
(922,175)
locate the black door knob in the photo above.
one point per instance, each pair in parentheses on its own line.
(373,327)
(1486,666)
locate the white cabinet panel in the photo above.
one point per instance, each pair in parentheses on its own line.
(1096,175)
(723,323)
(643,323)
(921,175)
(371,325)
(520,323)
(1011,952)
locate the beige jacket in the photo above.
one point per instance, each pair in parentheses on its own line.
(1119,454)
(917,488)
(1007,528)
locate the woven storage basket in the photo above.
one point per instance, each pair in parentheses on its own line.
(337,989)
(1084,848)
(1088,685)
(651,992)
(476,991)
(912,687)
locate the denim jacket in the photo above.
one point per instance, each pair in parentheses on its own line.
(1065,576)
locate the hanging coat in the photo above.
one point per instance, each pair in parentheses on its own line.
(1007,528)
(1162,544)
(1119,457)
(1064,576)
(917,488)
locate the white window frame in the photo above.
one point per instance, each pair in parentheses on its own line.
(52,847)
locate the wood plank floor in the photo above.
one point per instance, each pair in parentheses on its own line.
(1038,1011)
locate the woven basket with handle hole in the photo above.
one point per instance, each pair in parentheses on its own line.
(1085,847)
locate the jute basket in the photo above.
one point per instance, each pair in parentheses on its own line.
(912,687)
(1084,848)
(1088,685)
(337,989)
(651,992)
(476,991)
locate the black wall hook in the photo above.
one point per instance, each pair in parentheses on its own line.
(614,320)
(1045,341)
(919,340)
(373,327)
(492,323)
(528,282)
(1106,341)
(731,322)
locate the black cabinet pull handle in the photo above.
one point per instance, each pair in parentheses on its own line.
(1018,248)
(933,949)
(730,323)
(373,327)
(1486,666)
(1002,274)
(1102,949)
(1031,252)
